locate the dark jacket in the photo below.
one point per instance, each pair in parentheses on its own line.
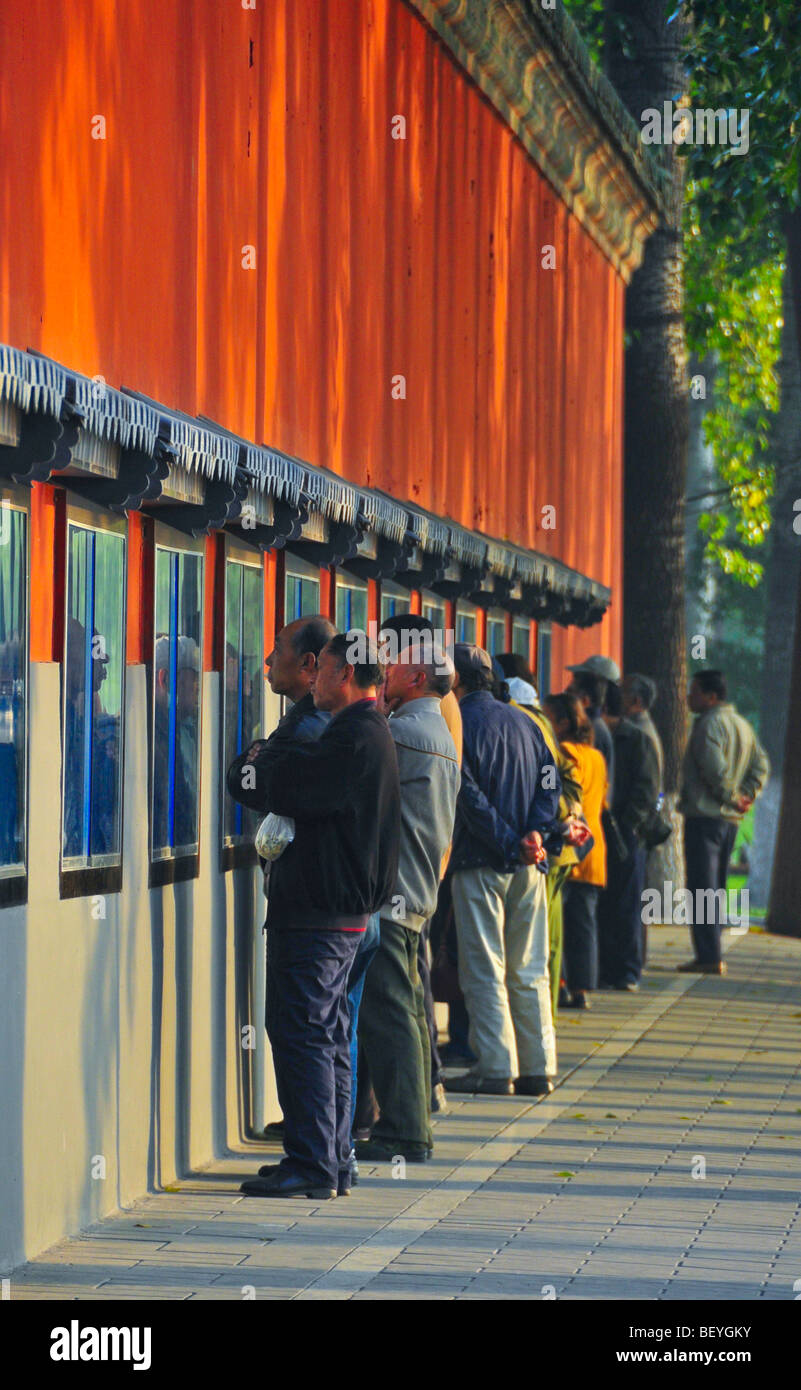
(604,744)
(343,794)
(502,797)
(636,776)
(302,723)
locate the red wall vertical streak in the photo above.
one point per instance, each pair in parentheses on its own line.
(214,604)
(481,627)
(328,592)
(415,601)
(42,565)
(373,257)
(373,602)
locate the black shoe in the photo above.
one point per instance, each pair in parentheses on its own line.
(471,1084)
(344,1183)
(701,967)
(563,998)
(533,1086)
(285,1184)
(275,1130)
(578,1000)
(384,1151)
(267,1169)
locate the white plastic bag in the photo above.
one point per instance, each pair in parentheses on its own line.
(273,836)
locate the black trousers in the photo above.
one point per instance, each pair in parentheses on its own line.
(708,843)
(580,940)
(620,916)
(308,1024)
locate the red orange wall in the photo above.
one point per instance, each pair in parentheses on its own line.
(271,128)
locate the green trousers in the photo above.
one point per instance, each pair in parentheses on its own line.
(553,887)
(394,1035)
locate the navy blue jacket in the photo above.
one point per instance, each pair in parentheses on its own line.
(502,797)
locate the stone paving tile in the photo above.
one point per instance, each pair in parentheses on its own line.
(688,1067)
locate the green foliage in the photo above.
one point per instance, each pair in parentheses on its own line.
(741,55)
(735,319)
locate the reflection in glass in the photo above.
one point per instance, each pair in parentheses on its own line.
(13,682)
(520,638)
(465,626)
(243,680)
(496,635)
(93,672)
(176,702)
(301,596)
(351,607)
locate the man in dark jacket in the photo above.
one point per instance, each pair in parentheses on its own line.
(342,792)
(508,796)
(620,928)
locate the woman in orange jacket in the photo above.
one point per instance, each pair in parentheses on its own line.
(586,879)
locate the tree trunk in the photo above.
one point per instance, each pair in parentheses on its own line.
(784,914)
(649,73)
(784,563)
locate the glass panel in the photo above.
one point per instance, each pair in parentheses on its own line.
(301,596)
(93,674)
(108,661)
(187,701)
(465,626)
(351,607)
(520,640)
(13,679)
(243,680)
(176,701)
(435,612)
(392,604)
(496,635)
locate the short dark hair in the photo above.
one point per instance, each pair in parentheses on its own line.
(514,665)
(365,673)
(471,680)
(712,683)
(313,636)
(594,687)
(613,701)
(406,622)
(642,688)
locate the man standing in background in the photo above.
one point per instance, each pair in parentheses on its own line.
(725,769)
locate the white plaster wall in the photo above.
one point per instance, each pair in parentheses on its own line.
(120,1034)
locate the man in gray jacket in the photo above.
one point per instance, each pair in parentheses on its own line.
(392,1022)
(725,769)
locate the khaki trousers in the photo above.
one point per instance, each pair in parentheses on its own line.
(502,931)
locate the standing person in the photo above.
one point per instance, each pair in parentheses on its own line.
(639,693)
(394,1028)
(509,795)
(523,695)
(342,792)
(590,681)
(586,879)
(725,769)
(403,627)
(636,789)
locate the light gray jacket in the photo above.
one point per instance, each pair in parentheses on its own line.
(724,759)
(429,783)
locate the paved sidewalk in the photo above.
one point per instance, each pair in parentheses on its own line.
(664,1166)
